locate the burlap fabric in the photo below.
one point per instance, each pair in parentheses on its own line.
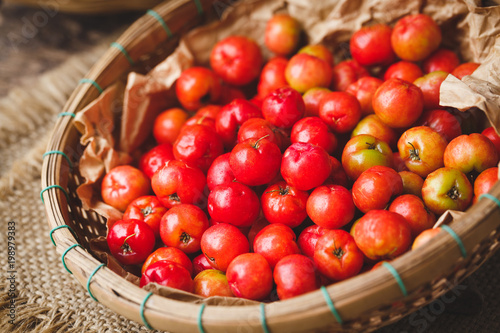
(48,299)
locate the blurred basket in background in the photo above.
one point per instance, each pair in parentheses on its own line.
(362,303)
(88,6)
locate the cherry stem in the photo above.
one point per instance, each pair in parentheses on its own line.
(125,246)
(146,211)
(413,152)
(337,252)
(392,252)
(256,144)
(453,193)
(174,197)
(281,190)
(200,121)
(126,239)
(185,238)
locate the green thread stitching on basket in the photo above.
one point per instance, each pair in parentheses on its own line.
(62,114)
(200,313)
(161,21)
(329,302)
(53,186)
(64,255)
(396,276)
(456,238)
(143,305)
(90,278)
(491,197)
(92,82)
(263,318)
(125,53)
(57,228)
(199,7)
(60,153)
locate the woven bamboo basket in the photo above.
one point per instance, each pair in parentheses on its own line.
(87,6)
(363,303)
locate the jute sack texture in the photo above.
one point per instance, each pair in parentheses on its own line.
(362,303)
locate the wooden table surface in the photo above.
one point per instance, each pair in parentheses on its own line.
(34,40)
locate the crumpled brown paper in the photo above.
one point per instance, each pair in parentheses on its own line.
(96,123)
(147,95)
(448,217)
(481,89)
(467,28)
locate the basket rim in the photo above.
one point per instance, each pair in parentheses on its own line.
(187,316)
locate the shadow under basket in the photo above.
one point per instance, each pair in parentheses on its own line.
(362,303)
